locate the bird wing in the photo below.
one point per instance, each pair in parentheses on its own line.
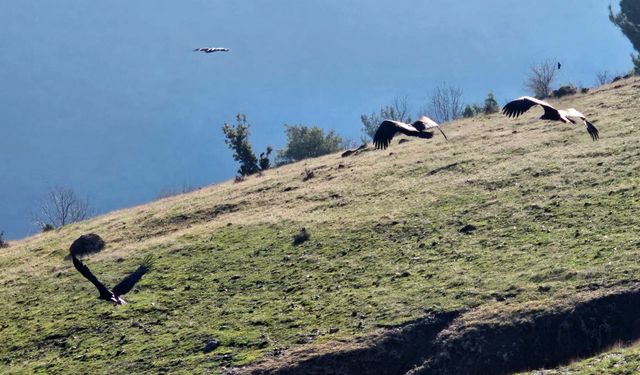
(428,123)
(519,106)
(128,282)
(572,112)
(389,128)
(84,270)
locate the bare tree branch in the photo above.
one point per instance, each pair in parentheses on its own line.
(541,78)
(445,104)
(61,206)
(602,78)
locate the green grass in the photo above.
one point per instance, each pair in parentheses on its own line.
(555,214)
(618,361)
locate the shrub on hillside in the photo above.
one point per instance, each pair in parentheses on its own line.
(3,243)
(470,110)
(264,162)
(307,142)
(564,91)
(490,106)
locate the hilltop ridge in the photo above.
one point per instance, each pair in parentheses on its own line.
(556,218)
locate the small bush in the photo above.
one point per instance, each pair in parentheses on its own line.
(264,162)
(301,237)
(564,91)
(47,228)
(3,243)
(307,174)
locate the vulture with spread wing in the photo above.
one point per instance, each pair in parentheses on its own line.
(123,287)
(519,106)
(212,49)
(389,128)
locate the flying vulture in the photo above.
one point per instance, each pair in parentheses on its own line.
(519,106)
(123,287)
(212,49)
(389,128)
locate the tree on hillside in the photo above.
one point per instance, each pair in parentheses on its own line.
(398,111)
(628,20)
(60,207)
(237,138)
(490,104)
(307,142)
(471,110)
(445,104)
(540,79)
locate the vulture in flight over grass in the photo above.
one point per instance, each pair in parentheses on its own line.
(519,106)
(123,287)
(212,49)
(389,128)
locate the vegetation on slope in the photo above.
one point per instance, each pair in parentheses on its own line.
(554,214)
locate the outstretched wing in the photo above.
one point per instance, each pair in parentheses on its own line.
(593,131)
(84,270)
(519,106)
(572,112)
(389,128)
(128,282)
(424,123)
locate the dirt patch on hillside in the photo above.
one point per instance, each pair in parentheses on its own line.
(476,341)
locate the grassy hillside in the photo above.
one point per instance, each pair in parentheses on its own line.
(556,215)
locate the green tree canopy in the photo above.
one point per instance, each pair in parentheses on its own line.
(307,142)
(237,138)
(628,20)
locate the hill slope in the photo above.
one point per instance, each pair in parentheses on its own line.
(556,217)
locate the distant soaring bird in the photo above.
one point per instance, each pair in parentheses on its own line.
(389,128)
(123,287)
(519,106)
(212,49)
